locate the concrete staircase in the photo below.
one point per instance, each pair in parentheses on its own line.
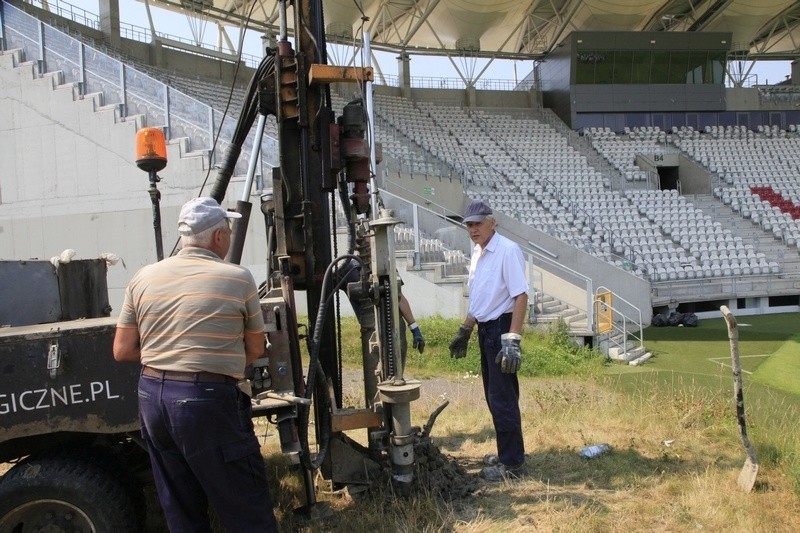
(547,310)
(619,348)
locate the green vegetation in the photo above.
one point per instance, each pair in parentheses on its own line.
(550,353)
(676,450)
(782,369)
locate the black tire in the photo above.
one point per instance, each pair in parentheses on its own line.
(68,492)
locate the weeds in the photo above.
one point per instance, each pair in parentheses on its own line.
(551,353)
(675,455)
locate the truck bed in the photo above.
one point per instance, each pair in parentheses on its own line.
(62,377)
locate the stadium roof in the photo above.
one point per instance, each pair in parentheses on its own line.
(523,29)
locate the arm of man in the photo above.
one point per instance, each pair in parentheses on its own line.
(126,344)
(254,343)
(405,310)
(518,313)
(469,322)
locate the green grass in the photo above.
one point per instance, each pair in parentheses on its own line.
(544,354)
(782,369)
(695,363)
(671,422)
(691,369)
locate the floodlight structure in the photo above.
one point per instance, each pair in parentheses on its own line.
(151,156)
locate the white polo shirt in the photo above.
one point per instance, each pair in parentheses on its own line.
(496,277)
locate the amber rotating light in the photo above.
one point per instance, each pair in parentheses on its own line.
(151,156)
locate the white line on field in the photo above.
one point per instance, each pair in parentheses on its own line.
(721,361)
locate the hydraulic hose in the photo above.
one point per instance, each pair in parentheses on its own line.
(244,124)
(315,367)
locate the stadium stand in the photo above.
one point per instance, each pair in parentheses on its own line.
(584,190)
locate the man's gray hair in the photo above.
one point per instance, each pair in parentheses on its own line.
(204,238)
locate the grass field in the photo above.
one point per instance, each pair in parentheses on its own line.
(675,456)
(671,423)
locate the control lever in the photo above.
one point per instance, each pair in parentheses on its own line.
(284,396)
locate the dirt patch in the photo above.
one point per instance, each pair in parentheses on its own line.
(440,475)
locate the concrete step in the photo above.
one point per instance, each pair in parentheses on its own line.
(641,359)
(619,354)
(551,308)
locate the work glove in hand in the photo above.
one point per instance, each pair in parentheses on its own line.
(509,357)
(419,340)
(458,347)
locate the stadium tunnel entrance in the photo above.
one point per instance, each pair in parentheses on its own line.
(669,178)
(674,170)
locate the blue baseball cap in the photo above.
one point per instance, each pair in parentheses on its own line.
(477,210)
(199,214)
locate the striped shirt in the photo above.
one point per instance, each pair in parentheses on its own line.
(191,311)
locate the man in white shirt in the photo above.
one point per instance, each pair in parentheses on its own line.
(498,299)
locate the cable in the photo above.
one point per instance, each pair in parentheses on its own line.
(245,27)
(315,367)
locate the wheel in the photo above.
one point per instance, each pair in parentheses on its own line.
(68,492)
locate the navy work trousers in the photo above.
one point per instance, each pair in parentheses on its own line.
(502,393)
(203,449)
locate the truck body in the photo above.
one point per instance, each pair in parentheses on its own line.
(68,412)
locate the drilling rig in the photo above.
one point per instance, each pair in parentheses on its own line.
(69,412)
(325,159)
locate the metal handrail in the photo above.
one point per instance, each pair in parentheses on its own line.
(623,329)
(535,252)
(142,34)
(629,304)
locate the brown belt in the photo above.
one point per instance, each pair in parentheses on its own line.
(196,377)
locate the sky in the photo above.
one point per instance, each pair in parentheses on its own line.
(134,12)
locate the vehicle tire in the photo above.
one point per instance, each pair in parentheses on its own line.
(68,492)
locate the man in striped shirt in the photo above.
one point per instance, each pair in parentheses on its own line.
(194,322)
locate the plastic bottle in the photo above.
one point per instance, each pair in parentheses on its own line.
(594,450)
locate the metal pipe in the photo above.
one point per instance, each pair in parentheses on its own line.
(284,33)
(373,188)
(155,198)
(254,155)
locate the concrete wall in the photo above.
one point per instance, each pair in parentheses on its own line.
(618,98)
(68,180)
(432,192)
(694,178)
(742,99)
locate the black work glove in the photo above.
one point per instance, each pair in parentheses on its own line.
(509,357)
(458,347)
(419,340)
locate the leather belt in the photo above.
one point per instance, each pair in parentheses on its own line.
(490,322)
(194,377)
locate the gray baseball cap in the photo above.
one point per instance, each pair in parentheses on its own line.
(477,210)
(199,214)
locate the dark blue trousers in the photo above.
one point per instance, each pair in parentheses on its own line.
(502,393)
(203,449)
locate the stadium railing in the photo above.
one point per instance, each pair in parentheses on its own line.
(135,92)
